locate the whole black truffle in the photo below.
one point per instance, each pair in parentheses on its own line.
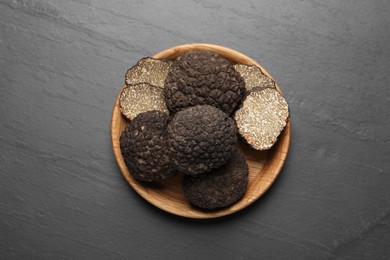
(201,138)
(203,78)
(143,146)
(220,187)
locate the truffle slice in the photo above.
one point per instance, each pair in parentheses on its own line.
(143,146)
(149,70)
(254,77)
(201,138)
(203,78)
(262,117)
(218,188)
(139,98)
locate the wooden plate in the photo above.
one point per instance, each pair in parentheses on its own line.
(264,166)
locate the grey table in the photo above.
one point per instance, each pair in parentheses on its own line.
(62,195)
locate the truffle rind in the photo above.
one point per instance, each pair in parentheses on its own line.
(203,78)
(201,138)
(139,98)
(218,188)
(143,144)
(254,77)
(149,70)
(262,117)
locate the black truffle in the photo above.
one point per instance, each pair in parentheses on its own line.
(262,117)
(203,78)
(143,146)
(201,138)
(149,70)
(139,98)
(254,77)
(218,188)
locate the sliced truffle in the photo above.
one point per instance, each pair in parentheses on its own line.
(149,70)
(143,144)
(254,77)
(201,138)
(139,98)
(220,187)
(203,78)
(262,117)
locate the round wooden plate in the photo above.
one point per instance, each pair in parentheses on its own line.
(264,166)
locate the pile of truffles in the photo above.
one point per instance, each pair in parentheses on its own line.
(185,117)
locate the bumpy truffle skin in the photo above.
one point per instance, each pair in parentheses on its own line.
(143,145)
(201,138)
(218,188)
(203,78)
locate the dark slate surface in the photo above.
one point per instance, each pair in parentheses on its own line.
(62,195)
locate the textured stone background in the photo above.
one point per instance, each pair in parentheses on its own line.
(62,195)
